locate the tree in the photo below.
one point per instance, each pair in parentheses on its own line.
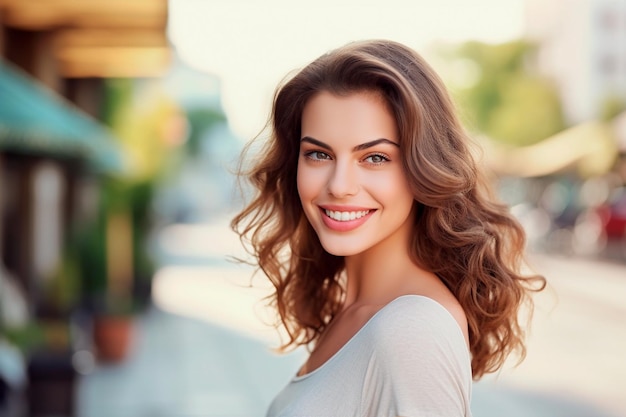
(505,99)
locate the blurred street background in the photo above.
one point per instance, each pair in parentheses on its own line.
(121,124)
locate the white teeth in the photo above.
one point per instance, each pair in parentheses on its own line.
(344,216)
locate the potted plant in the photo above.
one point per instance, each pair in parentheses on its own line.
(117,268)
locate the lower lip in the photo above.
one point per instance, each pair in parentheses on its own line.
(345,226)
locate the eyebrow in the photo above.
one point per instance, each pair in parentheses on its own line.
(360,147)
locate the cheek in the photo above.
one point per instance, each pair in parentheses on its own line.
(308,182)
(390,188)
(305,183)
(300,182)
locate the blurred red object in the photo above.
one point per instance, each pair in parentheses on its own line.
(112,337)
(613,215)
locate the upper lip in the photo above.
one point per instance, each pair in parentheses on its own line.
(334,207)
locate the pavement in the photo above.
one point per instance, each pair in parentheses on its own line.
(204,348)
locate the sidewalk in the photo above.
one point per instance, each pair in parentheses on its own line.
(186,367)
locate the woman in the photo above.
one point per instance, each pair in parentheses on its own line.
(389,258)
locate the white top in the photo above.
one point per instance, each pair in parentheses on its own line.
(410,359)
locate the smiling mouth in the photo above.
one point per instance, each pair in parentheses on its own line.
(346,216)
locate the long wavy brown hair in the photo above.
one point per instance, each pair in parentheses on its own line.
(469,240)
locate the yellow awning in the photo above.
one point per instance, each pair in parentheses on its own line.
(589,148)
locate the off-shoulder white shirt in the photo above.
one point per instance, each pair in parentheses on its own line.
(410,359)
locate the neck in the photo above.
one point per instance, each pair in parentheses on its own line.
(381,273)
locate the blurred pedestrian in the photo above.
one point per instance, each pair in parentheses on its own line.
(389,257)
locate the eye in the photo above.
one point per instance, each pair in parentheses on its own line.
(376,159)
(317,155)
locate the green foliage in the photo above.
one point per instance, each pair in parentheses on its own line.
(137,121)
(141,197)
(118,95)
(27,337)
(54,335)
(508,101)
(91,249)
(118,195)
(527,113)
(62,291)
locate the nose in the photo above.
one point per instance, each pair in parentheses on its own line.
(343,181)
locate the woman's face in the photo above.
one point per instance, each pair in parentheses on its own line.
(350,179)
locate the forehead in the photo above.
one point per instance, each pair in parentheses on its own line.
(357,116)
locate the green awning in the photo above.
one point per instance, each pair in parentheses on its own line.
(35,119)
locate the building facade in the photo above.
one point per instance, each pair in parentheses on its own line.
(582,47)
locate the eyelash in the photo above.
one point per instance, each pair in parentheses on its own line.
(315,157)
(384,158)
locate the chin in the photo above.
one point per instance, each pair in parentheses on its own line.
(341,249)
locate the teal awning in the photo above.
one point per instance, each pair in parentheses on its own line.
(35,119)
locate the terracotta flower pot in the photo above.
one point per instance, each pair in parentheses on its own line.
(112,337)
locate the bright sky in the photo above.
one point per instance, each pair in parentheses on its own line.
(252,44)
